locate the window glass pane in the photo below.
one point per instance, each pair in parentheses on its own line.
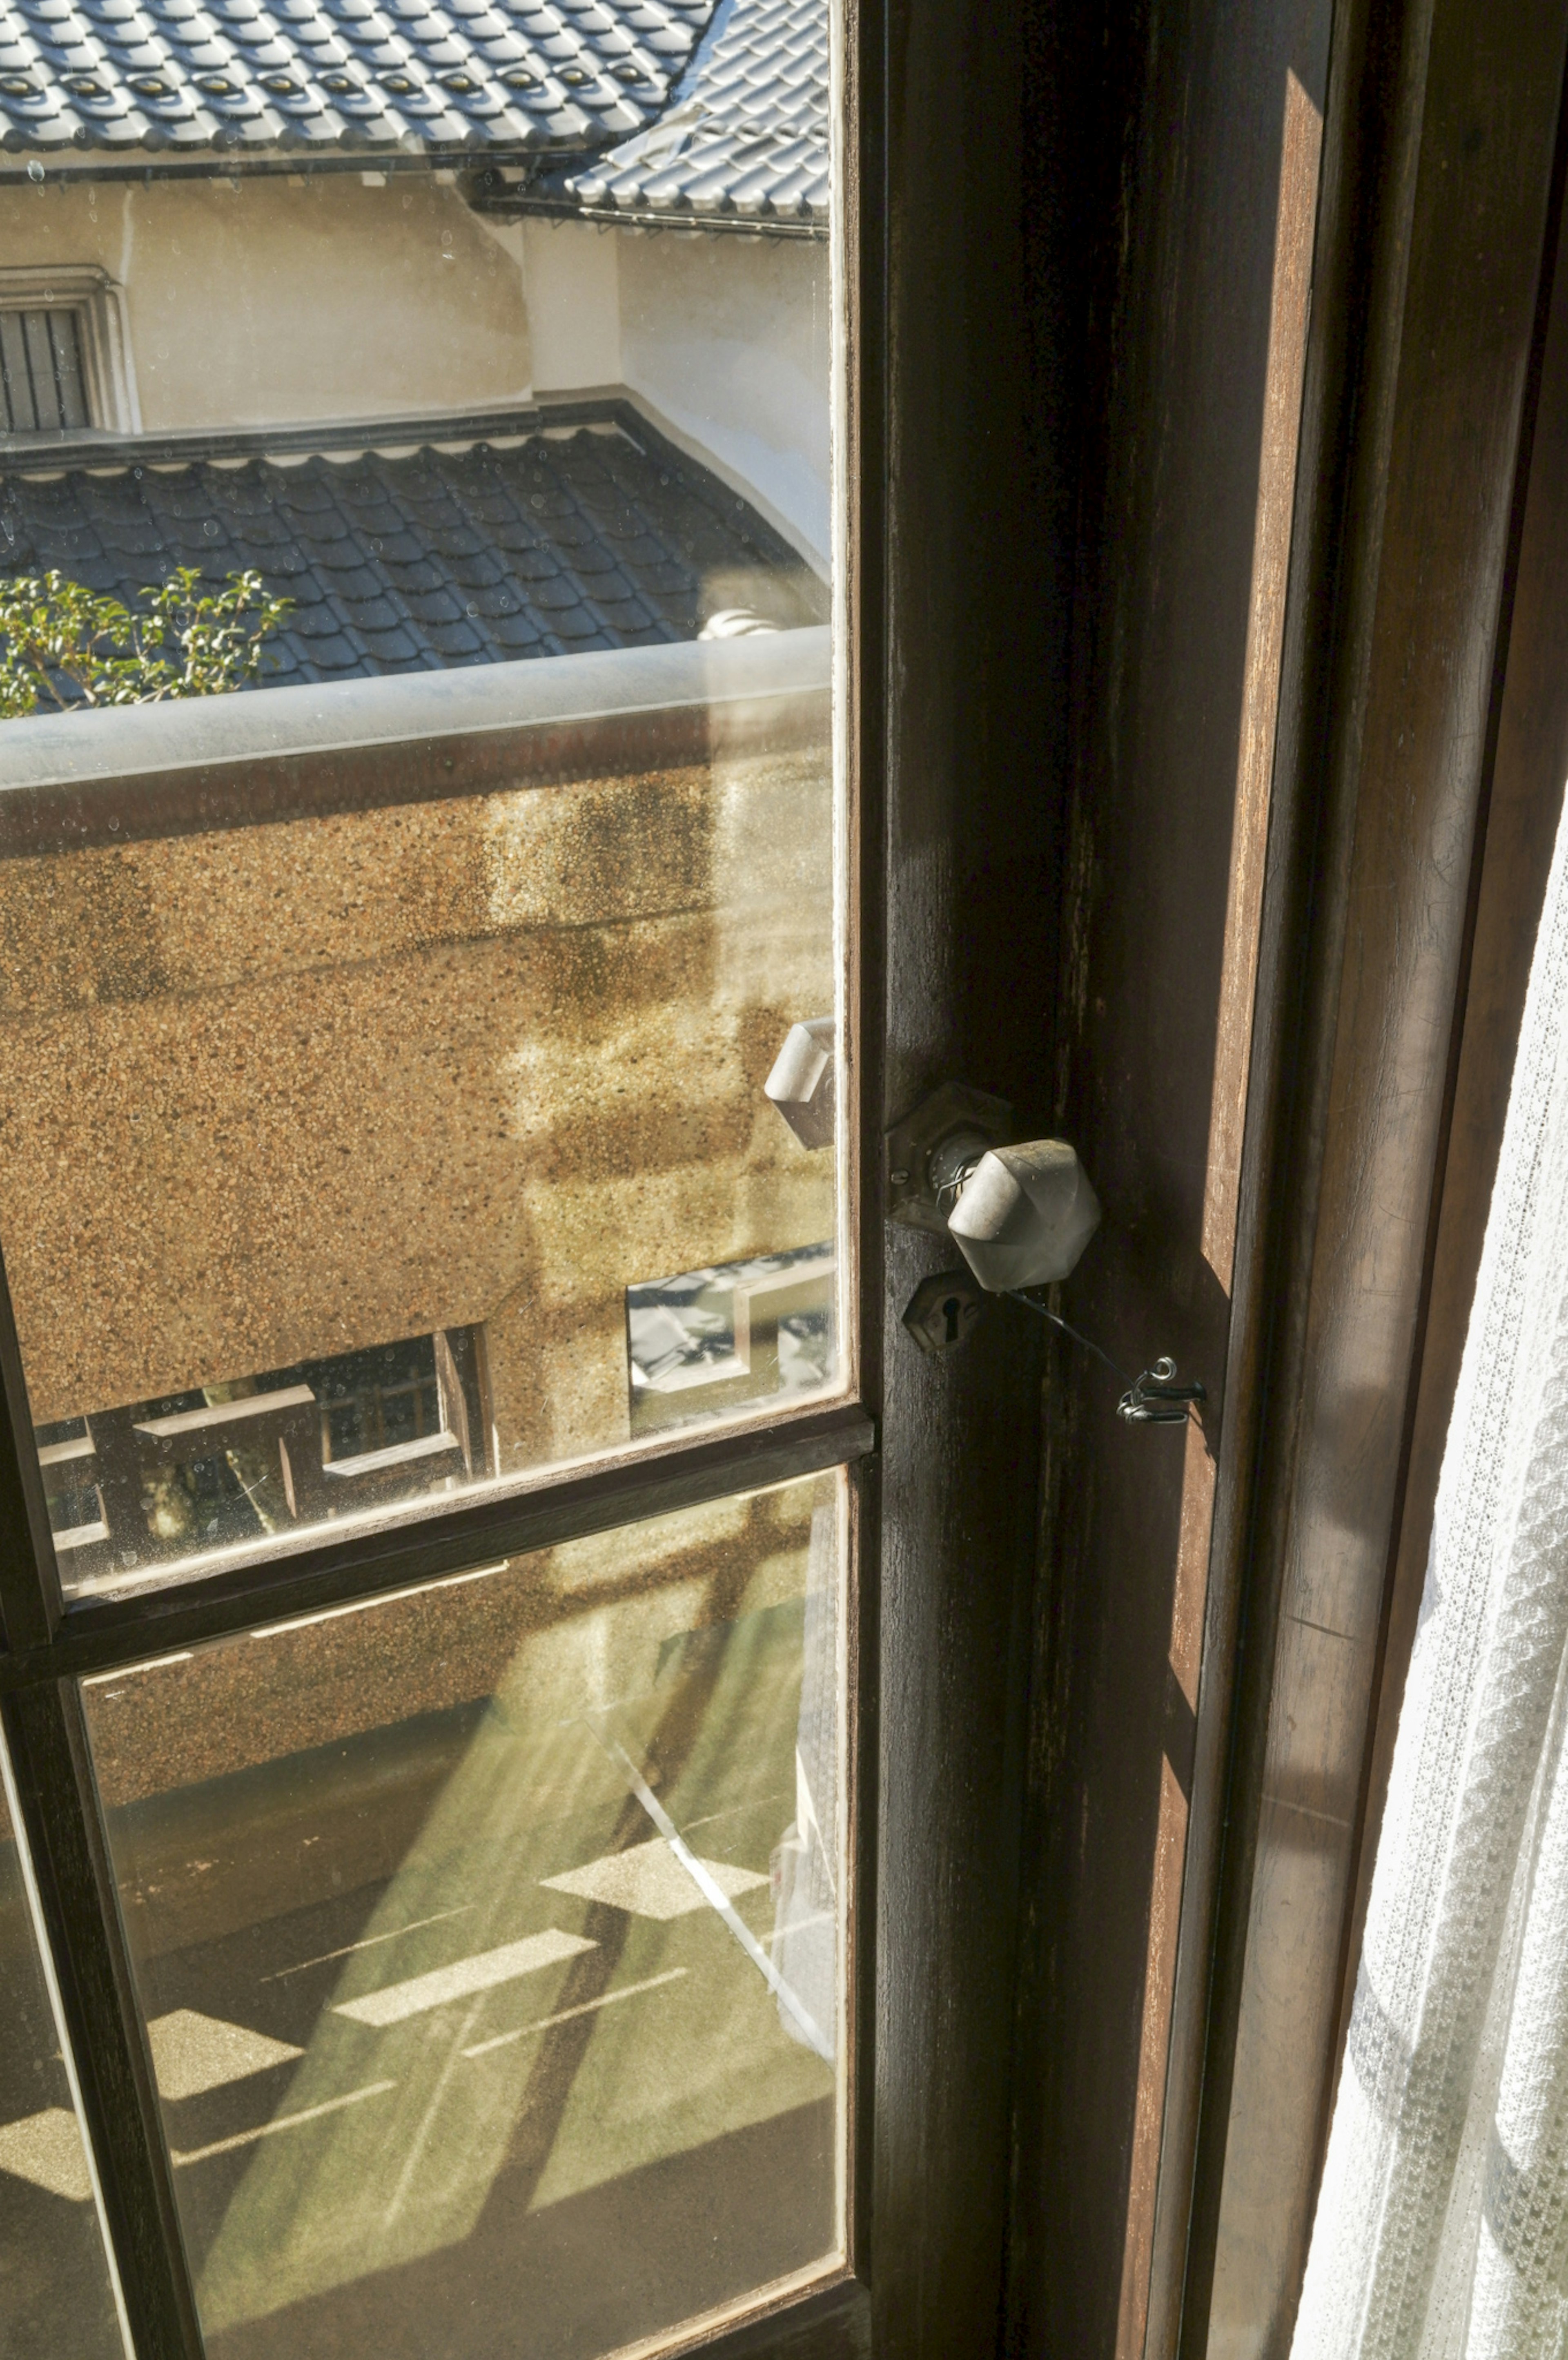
(56,2294)
(433,969)
(490,1937)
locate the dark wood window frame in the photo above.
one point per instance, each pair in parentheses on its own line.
(1334,1086)
(944,440)
(1165,326)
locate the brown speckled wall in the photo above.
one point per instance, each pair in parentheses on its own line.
(283,1092)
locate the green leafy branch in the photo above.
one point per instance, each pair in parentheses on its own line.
(64,645)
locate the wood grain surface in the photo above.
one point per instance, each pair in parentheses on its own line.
(1392,769)
(1187,529)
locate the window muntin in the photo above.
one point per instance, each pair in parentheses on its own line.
(500,1925)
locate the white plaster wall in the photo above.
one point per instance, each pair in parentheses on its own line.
(723,340)
(571,279)
(276,301)
(727,341)
(292,301)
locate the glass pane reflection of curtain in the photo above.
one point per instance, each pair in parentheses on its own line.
(1441,2229)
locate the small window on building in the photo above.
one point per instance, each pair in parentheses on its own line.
(65,361)
(225,1465)
(388,1403)
(43,388)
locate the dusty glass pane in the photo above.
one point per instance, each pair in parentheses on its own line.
(55,2289)
(490,1938)
(374,1028)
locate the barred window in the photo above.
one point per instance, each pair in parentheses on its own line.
(42,386)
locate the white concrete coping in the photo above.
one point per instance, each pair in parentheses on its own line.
(115,775)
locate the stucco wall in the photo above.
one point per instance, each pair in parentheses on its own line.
(565,1631)
(725,340)
(571,278)
(261,301)
(728,339)
(290,300)
(283,1092)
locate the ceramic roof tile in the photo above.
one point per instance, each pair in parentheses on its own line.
(439,557)
(744,137)
(362,74)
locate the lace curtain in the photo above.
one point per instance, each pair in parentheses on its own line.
(1441,2227)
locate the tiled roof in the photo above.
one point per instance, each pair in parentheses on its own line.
(743,141)
(316,74)
(545,545)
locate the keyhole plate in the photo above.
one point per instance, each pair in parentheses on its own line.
(942,1313)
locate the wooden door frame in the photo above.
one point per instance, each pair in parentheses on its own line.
(1309,1007)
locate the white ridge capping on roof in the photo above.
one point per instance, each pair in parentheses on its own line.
(134,740)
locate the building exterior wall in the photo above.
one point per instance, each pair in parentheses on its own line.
(268,300)
(572,280)
(294,299)
(725,341)
(728,339)
(292,1090)
(574,1629)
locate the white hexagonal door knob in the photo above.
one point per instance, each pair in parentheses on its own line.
(801,1083)
(1024,1215)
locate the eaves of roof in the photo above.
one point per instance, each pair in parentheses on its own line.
(421,546)
(671,220)
(146,165)
(742,144)
(48,454)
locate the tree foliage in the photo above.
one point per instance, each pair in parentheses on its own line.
(64,645)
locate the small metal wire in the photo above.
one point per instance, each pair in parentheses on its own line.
(950,1191)
(1151,1399)
(1018,1295)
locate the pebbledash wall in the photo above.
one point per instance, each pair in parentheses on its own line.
(324,296)
(282,1090)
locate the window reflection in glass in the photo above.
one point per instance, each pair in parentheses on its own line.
(714,1339)
(490,1942)
(55,2290)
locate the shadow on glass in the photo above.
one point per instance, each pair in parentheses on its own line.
(490,1942)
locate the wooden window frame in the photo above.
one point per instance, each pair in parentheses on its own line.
(945,478)
(1155,366)
(1297,929)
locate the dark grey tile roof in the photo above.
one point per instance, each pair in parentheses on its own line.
(316,74)
(743,141)
(543,546)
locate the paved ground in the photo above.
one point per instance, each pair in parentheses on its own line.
(460,2053)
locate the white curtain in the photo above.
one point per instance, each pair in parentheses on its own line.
(1441,2227)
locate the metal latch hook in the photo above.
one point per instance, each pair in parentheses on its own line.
(1155,1399)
